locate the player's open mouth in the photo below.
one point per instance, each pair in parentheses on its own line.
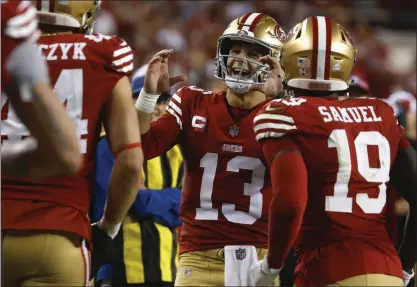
(242,72)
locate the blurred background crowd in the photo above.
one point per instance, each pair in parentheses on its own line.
(383,32)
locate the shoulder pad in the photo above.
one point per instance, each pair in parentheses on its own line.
(182,100)
(277,118)
(118,54)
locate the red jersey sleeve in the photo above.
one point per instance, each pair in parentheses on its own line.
(396,130)
(117,53)
(18,24)
(403,143)
(19,21)
(276,119)
(166,131)
(122,57)
(275,124)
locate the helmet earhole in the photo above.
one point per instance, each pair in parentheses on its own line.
(298,34)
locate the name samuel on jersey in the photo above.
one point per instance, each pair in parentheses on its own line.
(364,114)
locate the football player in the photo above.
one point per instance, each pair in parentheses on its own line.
(226,190)
(25,84)
(46,229)
(331,158)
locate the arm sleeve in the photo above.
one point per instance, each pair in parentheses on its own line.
(403,143)
(162,136)
(397,131)
(122,57)
(114,51)
(165,132)
(274,120)
(289,198)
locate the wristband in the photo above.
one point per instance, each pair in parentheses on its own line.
(146,102)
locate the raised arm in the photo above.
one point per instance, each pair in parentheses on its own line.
(157,80)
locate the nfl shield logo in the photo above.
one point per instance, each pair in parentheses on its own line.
(188,272)
(240,254)
(234,131)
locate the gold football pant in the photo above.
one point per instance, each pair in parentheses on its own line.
(36,258)
(205,268)
(370,280)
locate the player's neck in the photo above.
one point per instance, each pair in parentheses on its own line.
(244,101)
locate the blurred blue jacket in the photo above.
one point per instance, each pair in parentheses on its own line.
(162,205)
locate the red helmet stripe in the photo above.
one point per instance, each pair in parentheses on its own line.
(328,47)
(315,47)
(321,48)
(243,20)
(255,22)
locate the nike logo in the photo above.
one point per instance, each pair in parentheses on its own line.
(269,109)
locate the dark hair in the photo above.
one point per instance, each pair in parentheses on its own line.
(53,29)
(165,96)
(323,94)
(356,90)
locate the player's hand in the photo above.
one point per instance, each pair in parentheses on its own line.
(273,85)
(101,249)
(407,277)
(157,79)
(262,275)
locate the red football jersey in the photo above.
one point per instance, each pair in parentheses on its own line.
(348,147)
(83,70)
(226,191)
(18,24)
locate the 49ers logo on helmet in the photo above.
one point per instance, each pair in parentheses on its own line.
(280,33)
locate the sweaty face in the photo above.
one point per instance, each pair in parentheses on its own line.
(245,65)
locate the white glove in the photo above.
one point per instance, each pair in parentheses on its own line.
(262,275)
(407,277)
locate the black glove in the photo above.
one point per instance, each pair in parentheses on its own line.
(102,244)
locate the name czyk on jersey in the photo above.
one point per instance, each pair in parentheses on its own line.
(71,51)
(364,114)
